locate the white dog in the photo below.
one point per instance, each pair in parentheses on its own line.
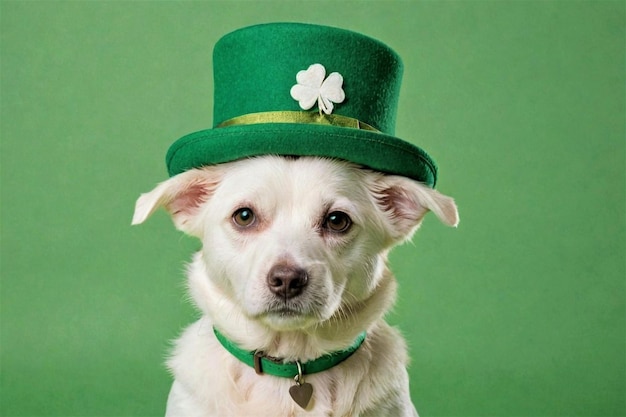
(294,268)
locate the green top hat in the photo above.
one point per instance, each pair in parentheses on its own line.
(299,89)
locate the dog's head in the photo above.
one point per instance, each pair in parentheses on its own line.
(295,241)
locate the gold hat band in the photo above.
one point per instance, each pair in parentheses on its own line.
(300,117)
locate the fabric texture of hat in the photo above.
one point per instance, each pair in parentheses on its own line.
(305,90)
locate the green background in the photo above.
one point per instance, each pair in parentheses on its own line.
(518,312)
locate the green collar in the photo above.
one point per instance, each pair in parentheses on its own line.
(273,366)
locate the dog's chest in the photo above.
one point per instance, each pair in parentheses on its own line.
(265,395)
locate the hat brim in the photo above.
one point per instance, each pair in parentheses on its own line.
(374,150)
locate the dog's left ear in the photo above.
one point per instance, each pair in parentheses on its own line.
(182,196)
(405,203)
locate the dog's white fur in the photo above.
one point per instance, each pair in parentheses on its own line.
(349,286)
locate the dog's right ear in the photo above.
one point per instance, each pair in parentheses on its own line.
(182,196)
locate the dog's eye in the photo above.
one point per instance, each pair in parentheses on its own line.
(337,222)
(244,217)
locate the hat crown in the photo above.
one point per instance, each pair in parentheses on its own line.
(256,67)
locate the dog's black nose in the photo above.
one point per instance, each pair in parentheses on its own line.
(287,281)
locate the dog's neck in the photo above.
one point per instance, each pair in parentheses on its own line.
(334,334)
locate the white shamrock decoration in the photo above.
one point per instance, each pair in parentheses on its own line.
(313,87)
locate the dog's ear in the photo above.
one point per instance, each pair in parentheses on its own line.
(182,196)
(405,203)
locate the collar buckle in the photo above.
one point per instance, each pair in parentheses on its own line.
(258,367)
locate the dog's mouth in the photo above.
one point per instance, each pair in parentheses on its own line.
(288,317)
(285,312)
